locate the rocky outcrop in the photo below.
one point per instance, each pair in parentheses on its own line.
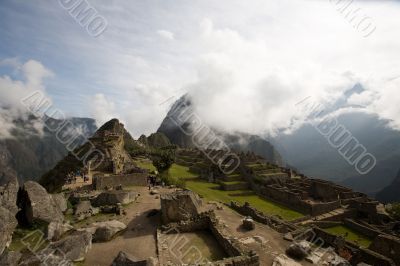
(180,205)
(8,194)
(298,250)
(10,258)
(105,231)
(60,201)
(37,205)
(84,210)
(75,246)
(55,230)
(106,151)
(8,210)
(248,224)
(124,259)
(7,227)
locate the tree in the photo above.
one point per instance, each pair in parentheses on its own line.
(163,160)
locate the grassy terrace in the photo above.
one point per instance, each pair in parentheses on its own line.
(233,182)
(145,164)
(180,171)
(210,191)
(350,235)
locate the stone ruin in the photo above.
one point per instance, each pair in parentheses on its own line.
(180,205)
(208,222)
(181,213)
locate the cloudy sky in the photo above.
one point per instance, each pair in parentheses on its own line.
(245,63)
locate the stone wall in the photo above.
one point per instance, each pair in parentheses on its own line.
(369,232)
(371,258)
(294,200)
(388,246)
(325,191)
(246,260)
(136,179)
(323,207)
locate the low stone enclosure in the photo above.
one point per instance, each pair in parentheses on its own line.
(204,222)
(101,182)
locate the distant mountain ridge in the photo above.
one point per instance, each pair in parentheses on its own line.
(30,154)
(308,151)
(238,141)
(391,193)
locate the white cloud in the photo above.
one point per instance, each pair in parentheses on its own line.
(246,63)
(12,91)
(102,109)
(166,34)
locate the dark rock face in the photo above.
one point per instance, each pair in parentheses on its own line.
(7,227)
(36,204)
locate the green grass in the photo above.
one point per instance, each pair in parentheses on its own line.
(233,182)
(180,171)
(210,191)
(145,164)
(32,238)
(352,236)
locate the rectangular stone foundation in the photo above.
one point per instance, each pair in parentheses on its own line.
(205,222)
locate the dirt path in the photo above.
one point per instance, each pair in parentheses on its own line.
(138,239)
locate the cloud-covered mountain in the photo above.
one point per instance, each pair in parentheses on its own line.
(311,153)
(178,133)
